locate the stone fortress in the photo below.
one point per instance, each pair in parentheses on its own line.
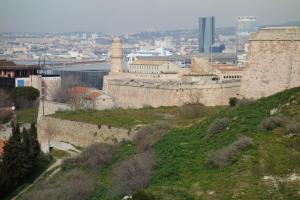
(273,62)
(162,83)
(272,65)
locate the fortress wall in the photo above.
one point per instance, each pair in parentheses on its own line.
(139,96)
(79,133)
(51,107)
(272,66)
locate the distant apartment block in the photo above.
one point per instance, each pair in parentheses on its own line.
(206,33)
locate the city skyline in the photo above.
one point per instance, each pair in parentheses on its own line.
(135,15)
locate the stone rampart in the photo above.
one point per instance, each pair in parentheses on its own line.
(140,94)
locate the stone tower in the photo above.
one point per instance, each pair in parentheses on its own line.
(273,62)
(116,56)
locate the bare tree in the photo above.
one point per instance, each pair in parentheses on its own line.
(192,96)
(62,95)
(66,94)
(50,130)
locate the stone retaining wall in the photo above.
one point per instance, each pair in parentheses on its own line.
(79,133)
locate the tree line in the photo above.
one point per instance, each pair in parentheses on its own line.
(20,158)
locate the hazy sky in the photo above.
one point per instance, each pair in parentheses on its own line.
(116,16)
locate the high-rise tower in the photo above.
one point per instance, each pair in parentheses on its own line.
(116,56)
(206,33)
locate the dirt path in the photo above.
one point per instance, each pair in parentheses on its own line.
(73,152)
(54,165)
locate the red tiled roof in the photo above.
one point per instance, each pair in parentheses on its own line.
(92,95)
(2,144)
(77,91)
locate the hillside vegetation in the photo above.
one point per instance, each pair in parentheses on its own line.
(260,163)
(248,151)
(127,118)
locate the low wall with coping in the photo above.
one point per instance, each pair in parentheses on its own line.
(80,133)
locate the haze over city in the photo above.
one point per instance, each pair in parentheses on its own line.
(115,16)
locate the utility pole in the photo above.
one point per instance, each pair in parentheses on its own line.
(43,97)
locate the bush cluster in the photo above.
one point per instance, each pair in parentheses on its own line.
(293,127)
(5,116)
(133,174)
(24,97)
(222,157)
(232,101)
(93,157)
(244,102)
(74,184)
(272,122)
(142,195)
(191,111)
(148,135)
(217,126)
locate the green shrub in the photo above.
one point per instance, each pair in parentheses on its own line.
(232,101)
(272,122)
(24,97)
(217,126)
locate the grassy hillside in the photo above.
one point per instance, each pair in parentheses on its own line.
(27,115)
(263,170)
(127,118)
(259,172)
(255,155)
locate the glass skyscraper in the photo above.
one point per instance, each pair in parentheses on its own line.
(206,33)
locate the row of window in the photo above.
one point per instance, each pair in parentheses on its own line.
(144,67)
(145,72)
(234,77)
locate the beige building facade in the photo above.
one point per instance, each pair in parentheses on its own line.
(272,63)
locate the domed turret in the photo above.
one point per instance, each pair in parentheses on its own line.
(116,56)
